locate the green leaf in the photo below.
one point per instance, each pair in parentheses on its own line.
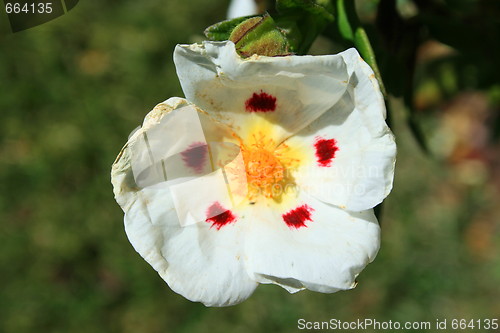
(287,7)
(364,47)
(350,29)
(302,21)
(344,21)
(293,28)
(222,30)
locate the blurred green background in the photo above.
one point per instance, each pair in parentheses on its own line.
(74,88)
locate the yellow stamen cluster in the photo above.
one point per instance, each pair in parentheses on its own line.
(267,168)
(264,170)
(262,167)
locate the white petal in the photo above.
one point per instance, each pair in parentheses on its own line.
(201,261)
(325,255)
(158,148)
(278,95)
(361,171)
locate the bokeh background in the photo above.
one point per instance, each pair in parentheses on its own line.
(73,89)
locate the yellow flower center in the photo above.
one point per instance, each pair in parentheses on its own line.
(263,169)
(268,166)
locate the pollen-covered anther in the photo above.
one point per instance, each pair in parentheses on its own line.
(263,169)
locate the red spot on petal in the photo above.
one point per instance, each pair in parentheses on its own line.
(219,216)
(325,151)
(195,156)
(261,103)
(296,218)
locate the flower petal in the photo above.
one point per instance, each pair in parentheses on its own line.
(350,150)
(276,95)
(202,261)
(311,245)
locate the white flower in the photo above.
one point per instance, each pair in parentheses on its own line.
(267,175)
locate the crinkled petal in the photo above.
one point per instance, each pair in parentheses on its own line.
(350,150)
(310,244)
(277,95)
(201,260)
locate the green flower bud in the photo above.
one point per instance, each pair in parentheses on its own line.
(259,35)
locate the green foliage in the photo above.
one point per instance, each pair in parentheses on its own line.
(302,21)
(299,7)
(251,35)
(298,23)
(259,35)
(222,30)
(351,30)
